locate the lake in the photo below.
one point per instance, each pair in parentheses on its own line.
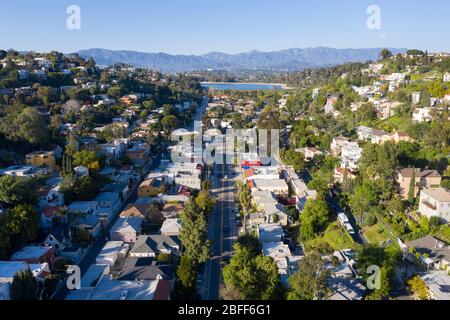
(240,86)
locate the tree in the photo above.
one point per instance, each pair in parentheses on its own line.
(72,146)
(205,202)
(314,219)
(419,288)
(386,259)
(169,123)
(28,125)
(87,158)
(250,275)
(311,281)
(14,191)
(364,198)
(294,159)
(293,213)
(412,187)
(385,53)
(24,286)
(186,272)
(193,235)
(83,189)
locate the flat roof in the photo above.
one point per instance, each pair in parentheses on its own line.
(9,268)
(32,252)
(124,290)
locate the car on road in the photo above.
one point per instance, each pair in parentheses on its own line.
(237,211)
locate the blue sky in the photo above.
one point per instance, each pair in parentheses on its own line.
(201,26)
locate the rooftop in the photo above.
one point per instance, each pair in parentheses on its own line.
(435,248)
(439,194)
(124,290)
(439,284)
(32,252)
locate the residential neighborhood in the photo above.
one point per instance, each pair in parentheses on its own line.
(258,178)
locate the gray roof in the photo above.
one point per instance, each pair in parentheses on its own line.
(146,269)
(127,223)
(436,249)
(154,243)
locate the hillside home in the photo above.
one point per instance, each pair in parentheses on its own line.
(435,202)
(423,179)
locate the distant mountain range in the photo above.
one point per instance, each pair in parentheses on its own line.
(284,60)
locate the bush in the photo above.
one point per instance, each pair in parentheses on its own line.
(164,258)
(371,220)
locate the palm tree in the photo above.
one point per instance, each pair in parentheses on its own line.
(24,286)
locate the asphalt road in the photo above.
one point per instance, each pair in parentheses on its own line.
(222,229)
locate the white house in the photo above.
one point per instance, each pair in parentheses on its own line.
(278,186)
(111,252)
(422,115)
(171,227)
(350,156)
(435,202)
(126,229)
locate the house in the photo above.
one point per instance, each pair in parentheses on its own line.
(346,289)
(446,77)
(337,144)
(50,196)
(193,182)
(109,200)
(398,136)
(150,188)
(280,253)
(350,156)
(22,171)
(126,229)
(339,175)
(9,268)
(310,152)
(437,283)
(172,210)
(422,115)
(270,233)
(111,252)
(83,207)
(423,179)
(48,215)
(81,171)
(415,98)
(380,136)
(58,238)
(278,186)
(136,210)
(435,202)
(149,246)
(35,255)
(276,214)
(261,173)
(364,133)
(41,159)
(89,223)
(263,199)
(120,188)
(143,269)
(93,275)
(433,253)
(171,227)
